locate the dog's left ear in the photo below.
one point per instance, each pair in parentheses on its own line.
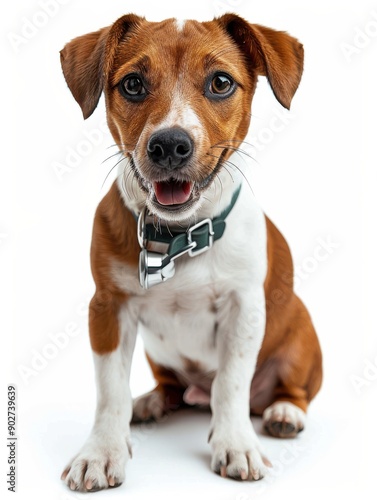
(86,60)
(273,54)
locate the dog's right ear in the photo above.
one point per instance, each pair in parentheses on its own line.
(82,61)
(86,60)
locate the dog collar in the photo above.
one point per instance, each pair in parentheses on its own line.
(155,268)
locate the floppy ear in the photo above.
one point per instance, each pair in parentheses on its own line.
(82,63)
(85,61)
(273,54)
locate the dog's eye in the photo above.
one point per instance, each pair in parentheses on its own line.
(220,86)
(132,87)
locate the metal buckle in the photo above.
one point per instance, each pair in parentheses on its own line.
(141,228)
(211,239)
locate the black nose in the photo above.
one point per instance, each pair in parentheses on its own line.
(170,148)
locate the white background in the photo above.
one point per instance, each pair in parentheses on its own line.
(316,179)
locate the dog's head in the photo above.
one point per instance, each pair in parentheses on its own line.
(178,96)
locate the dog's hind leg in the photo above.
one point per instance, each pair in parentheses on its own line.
(166,397)
(297,381)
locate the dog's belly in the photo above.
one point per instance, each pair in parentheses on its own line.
(180,334)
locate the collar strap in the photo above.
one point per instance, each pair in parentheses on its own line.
(200,237)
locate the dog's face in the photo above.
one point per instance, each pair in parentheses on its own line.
(189,95)
(178,96)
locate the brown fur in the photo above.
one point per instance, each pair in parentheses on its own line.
(114,237)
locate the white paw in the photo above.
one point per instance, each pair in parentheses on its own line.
(100,464)
(283,419)
(236,453)
(149,406)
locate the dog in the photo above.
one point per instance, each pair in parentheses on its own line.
(180,247)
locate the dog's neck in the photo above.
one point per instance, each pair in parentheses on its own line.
(215,200)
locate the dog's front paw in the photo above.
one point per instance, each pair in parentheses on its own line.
(236,454)
(99,465)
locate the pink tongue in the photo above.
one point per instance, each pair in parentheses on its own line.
(172,192)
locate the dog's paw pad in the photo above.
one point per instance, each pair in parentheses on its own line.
(283,419)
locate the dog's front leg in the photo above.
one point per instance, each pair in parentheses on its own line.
(235,447)
(101,461)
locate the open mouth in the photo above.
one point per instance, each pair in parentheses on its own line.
(173,193)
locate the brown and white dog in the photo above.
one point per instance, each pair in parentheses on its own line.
(227,329)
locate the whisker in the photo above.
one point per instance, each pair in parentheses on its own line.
(125,182)
(233,140)
(236,150)
(221,184)
(112,156)
(133,181)
(236,167)
(117,163)
(168,228)
(157,224)
(243,175)
(121,145)
(207,199)
(231,176)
